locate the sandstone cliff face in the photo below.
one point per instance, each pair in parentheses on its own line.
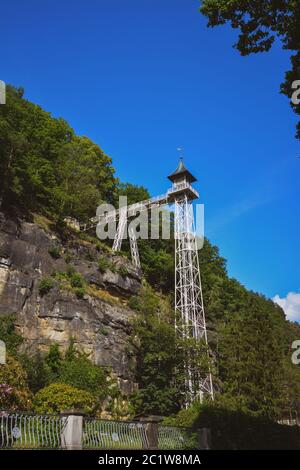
(100,328)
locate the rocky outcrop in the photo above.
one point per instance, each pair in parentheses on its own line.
(99,322)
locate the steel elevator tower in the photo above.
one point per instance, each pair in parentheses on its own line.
(189,308)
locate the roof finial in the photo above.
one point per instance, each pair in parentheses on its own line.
(180,150)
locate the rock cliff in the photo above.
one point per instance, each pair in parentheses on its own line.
(99,322)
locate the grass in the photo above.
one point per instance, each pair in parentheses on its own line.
(106,296)
(45,285)
(43,222)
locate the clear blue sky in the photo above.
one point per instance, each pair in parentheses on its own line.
(142,77)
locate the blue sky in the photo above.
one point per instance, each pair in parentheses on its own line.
(142,77)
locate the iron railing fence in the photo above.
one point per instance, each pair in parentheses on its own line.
(173,438)
(105,434)
(20,430)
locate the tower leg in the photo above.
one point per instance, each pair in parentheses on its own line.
(189,309)
(120,230)
(134,248)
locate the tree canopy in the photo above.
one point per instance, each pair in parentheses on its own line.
(45,167)
(259,23)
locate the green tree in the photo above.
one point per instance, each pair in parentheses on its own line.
(45,166)
(154,340)
(133,192)
(259,23)
(251,355)
(53,360)
(77,370)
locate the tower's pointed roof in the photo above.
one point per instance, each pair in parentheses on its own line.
(180,171)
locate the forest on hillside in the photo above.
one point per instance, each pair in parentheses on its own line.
(47,169)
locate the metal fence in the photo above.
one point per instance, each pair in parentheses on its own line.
(20,430)
(104,434)
(172,438)
(31,431)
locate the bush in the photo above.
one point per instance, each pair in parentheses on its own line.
(76,280)
(14,392)
(103,264)
(54,252)
(39,374)
(233,427)
(79,292)
(45,285)
(59,397)
(81,373)
(8,334)
(71,280)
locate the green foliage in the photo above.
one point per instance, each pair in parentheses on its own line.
(70,376)
(9,335)
(154,339)
(71,280)
(59,397)
(233,427)
(123,271)
(45,285)
(74,368)
(103,331)
(79,292)
(103,264)
(76,280)
(82,373)
(259,23)
(14,392)
(134,193)
(157,264)
(54,252)
(38,371)
(53,360)
(251,357)
(45,166)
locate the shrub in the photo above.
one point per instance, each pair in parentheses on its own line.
(70,270)
(81,373)
(79,292)
(76,280)
(103,331)
(103,264)
(9,335)
(59,397)
(68,256)
(54,252)
(45,285)
(234,427)
(123,271)
(14,392)
(38,372)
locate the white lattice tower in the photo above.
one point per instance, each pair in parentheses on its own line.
(134,247)
(189,307)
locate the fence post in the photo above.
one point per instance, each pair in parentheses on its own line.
(204,438)
(151,431)
(72,434)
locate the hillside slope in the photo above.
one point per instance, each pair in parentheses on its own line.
(97,317)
